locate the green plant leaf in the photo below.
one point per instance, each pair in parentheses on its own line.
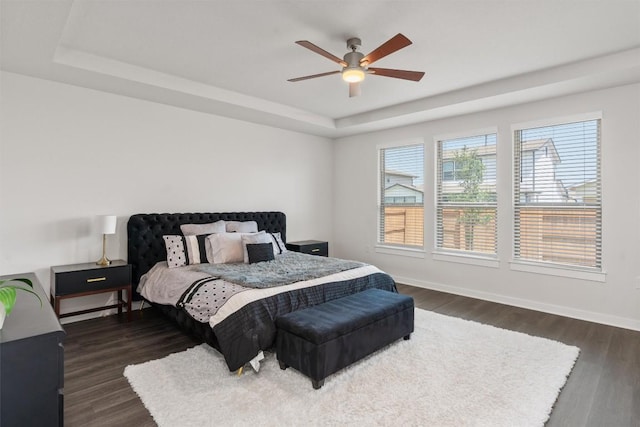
(8,292)
(8,298)
(19,279)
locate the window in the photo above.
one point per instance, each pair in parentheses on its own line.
(466,211)
(557,195)
(402,196)
(449,170)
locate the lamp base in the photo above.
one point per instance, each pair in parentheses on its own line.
(103,261)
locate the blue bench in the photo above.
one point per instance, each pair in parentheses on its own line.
(320,340)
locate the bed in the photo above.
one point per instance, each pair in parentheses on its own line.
(244,324)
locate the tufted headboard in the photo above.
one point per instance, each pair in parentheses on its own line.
(145,246)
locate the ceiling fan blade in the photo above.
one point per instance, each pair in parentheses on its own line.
(313,76)
(354,89)
(320,51)
(398,74)
(395,43)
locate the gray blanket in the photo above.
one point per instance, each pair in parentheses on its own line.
(287,268)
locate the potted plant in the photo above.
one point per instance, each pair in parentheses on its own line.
(8,295)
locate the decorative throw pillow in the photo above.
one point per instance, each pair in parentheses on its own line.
(185,250)
(260,237)
(241,226)
(226,247)
(259,252)
(196,229)
(279,247)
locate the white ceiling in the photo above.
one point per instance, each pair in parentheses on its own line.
(233,58)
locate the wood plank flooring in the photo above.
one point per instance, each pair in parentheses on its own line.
(603,389)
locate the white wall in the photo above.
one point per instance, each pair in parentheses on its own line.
(69,154)
(616,301)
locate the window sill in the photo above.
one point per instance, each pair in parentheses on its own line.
(400,251)
(561,271)
(466,259)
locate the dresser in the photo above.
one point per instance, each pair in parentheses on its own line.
(31,362)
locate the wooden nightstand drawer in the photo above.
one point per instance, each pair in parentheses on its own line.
(90,279)
(311,247)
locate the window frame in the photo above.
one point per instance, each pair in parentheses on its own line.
(593,274)
(455,255)
(413,251)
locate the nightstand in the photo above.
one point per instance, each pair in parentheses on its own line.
(79,280)
(312,247)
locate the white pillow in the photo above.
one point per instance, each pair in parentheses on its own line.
(241,226)
(195,229)
(260,237)
(226,247)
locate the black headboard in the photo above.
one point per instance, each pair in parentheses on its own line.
(145,246)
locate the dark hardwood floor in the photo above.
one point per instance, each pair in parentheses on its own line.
(603,389)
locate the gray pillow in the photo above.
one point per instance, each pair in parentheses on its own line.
(241,226)
(196,229)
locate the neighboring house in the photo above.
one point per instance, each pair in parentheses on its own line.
(538,182)
(400,194)
(394,177)
(400,190)
(586,192)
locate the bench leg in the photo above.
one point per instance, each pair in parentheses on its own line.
(283,365)
(317,384)
(407,337)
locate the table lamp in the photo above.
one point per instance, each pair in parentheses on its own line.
(107,225)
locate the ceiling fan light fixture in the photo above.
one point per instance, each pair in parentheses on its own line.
(353,75)
(355,65)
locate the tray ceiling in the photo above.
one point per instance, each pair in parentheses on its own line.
(233,57)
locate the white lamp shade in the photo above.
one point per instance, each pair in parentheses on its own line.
(107,224)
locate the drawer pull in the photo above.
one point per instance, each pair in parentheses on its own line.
(97,279)
(315,250)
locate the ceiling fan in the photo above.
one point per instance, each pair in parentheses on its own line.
(355,65)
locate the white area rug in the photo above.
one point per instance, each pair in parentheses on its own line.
(451,373)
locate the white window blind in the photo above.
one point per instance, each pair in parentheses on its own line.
(466,211)
(557,195)
(402,196)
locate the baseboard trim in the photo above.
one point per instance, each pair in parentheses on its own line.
(589,316)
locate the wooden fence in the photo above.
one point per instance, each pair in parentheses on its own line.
(563,235)
(404,225)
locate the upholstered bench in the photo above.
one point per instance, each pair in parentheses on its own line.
(320,340)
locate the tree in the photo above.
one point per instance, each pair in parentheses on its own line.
(469,170)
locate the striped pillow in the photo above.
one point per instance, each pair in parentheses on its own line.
(185,250)
(279,247)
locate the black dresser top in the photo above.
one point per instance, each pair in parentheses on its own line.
(28,318)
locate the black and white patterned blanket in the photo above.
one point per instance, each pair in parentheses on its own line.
(245,324)
(251,328)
